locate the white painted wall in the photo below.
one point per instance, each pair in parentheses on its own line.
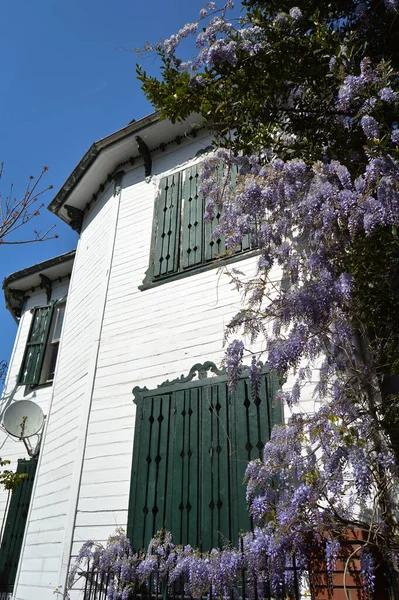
(115,337)
(11,448)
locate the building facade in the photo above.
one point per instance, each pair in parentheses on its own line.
(143,306)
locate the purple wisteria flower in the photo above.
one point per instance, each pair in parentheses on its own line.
(370,127)
(234,355)
(332,549)
(281,19)
(388,95)
(345,286)
(391,5)
(367,564)
(255,375)
(222,51)
(296,13)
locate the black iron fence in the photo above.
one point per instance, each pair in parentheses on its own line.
(101,586)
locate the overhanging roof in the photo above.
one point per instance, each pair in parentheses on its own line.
(104,157)
(17,285)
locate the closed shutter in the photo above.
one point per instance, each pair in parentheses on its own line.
(36,346)
(167,227)
(14,528)
(214,246)
(191,449)
(193,219)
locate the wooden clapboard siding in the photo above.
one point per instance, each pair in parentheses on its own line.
(12,449)
(146,337)
(115,337)
(45,534)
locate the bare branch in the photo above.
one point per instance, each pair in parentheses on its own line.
(16,212)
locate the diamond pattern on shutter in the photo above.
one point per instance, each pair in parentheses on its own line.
(193,219)
(214,246)
(35,347)
(168,226)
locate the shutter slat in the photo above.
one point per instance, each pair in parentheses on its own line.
(178,470)
(207,492)
(223,451)
(152,506)
(138,480)
(164,466)
(142,477)
(214,246)
(195,468)
(160,232)
(168,224)
(193,219)
(185,483)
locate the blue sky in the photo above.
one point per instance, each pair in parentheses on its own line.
(68,79)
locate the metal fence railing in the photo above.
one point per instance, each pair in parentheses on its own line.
(98,586)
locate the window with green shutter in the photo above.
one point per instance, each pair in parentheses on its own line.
(14,528)
(182,242)
(193,441)
(41,350)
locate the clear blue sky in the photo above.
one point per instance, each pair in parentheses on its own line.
(68,79)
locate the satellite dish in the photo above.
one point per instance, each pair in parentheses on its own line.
(23,419)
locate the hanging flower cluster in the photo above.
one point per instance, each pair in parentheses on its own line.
(120,572)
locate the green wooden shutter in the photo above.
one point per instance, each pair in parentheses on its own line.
(14,529)
(192,445)
(214,246)
(193,219)
(151,468)
(166,250)
(36,346)
(246,241)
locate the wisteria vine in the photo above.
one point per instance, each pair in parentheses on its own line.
(314,221)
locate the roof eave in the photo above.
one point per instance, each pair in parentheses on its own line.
(17,284)
(90,156)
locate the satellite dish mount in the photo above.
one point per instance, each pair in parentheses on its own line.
(24,419)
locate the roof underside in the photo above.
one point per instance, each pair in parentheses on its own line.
(18,285)
(104,158)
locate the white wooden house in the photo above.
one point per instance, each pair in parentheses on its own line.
(141,302)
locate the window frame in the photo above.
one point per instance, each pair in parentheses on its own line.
(151,279)
(40,376)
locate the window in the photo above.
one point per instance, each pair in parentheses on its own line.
(11,542)
(192,443)
(182,241)
(40,358)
